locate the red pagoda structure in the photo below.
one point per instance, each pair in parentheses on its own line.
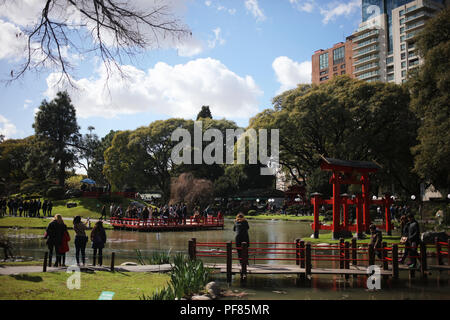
(344,173)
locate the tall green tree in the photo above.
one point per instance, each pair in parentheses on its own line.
(56,126)
(205,113)
(430,91)
(13,158)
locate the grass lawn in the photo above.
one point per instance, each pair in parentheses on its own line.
(53,285)
(23,222)
(36,223)
(20,263)
(326,238)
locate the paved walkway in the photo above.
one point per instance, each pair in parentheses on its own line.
(10,270)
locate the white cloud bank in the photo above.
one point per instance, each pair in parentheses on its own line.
(330,11)
(334,10)
(176,91)
(253,7)
(7,128)
(291,73)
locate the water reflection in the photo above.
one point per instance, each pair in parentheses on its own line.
(29,243)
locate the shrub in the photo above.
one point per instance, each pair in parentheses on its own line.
(252,212)
(55,192)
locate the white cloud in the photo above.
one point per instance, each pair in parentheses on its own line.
(27,103)
(13,42)
(220,7)
(304,5)
(291,73)
(253,7)
(189,47)
(176,91)
(336,9)
(217,39)
(7,128)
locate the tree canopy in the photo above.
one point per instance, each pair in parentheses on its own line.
(430,100)
(345,119)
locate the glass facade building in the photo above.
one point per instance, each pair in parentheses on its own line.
(373,8)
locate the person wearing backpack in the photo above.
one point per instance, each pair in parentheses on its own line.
(98,238)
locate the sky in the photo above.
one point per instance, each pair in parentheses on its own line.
(242,54)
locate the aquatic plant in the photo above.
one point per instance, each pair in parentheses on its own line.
(187,277)
(157,257)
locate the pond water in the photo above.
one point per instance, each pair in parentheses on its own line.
(29,243)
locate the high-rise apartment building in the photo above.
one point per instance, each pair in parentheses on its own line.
(384,44)
(383,47)
(332,62)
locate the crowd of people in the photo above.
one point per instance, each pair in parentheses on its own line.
(18,207)
(58,240)
(177,212)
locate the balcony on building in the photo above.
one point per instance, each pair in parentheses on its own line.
(366,51)
(366,68)
(365,44)
(369,33)
(369,75)
(365,60)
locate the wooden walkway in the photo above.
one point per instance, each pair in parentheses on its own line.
(293,269)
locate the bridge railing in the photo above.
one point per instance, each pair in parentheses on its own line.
(137,223)
(305,254)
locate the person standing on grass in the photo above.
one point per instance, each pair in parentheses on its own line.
(241,228)
(54,234)
(49,208)
(98,238)
(103,213)
(80,239)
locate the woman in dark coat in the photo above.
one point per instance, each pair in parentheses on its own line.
(241,228)
(98,238)
(54,235)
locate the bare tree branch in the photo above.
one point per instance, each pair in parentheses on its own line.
(116,28)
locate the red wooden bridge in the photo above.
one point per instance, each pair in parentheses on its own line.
(169,224)
(344,258)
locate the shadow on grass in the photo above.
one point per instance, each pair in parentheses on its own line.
(26,277)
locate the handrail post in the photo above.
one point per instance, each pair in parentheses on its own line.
(395,261)
(438,251)
(347,257)
(448,251)
(308,260)
(112,261)
(423,260)
(229,261)
(341,253)
(44,268)
(371,254)
(297,251)
(302,259)
(244,261)
(384,254)
(354,253)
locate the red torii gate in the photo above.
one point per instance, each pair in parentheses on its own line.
(346,172)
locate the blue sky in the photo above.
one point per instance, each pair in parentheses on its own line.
(242,54)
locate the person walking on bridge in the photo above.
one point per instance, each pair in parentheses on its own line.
(241,228)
